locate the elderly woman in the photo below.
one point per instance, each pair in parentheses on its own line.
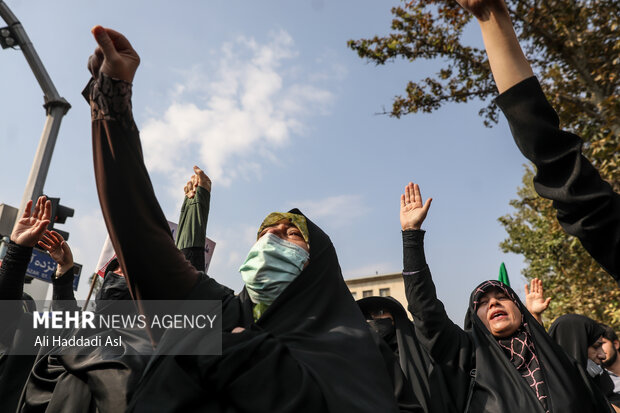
(294,339)
(503,360)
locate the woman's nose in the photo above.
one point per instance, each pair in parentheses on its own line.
(276,230)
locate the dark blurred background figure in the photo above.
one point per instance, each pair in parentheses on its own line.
(387,317)
(582,339)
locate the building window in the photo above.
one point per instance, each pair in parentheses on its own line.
(384,292)
(367,293)
(354,294)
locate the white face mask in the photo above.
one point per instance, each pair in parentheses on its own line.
(593,369)
(271,265)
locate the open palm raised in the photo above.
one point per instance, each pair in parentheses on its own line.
(535,300)
(28,230)
(58,249)
(412,210)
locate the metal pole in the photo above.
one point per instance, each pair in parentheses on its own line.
(55,107)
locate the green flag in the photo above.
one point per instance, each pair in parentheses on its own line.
(503,275)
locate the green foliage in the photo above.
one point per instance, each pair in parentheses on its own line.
(574,49)
(573,46)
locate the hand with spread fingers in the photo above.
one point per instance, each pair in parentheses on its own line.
(113,56)
(31,226)
(535,299)
(59,250)
(412,210)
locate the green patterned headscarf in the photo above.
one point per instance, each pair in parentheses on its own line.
(298,220)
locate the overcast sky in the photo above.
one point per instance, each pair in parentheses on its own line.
(269,101)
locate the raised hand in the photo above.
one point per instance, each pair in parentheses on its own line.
(412,211)
(481,8)
(190,188)
(113,56)
(198,179)
(202,179)
(59,250)
(28,230)
(535,299)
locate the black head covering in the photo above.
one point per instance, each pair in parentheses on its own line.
(519,347)
(97,379)
(114,294)
(426,381)
(14,369)
(112,265)
(498,385)
(318,320)
(311,350)
(113,288)
(575,333)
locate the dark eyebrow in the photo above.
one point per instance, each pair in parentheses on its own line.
(288,226)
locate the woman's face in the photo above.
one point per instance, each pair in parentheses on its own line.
(596,352)
(287,231)
(499,313)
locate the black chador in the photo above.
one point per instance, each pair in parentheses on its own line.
(575,333)
(486,374)
(93,378)
(419,373)
(311,350)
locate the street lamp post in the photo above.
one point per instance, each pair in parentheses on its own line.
(55,108)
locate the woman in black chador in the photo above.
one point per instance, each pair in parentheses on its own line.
(582,339)
(503,360)
(294,339)
(387,317)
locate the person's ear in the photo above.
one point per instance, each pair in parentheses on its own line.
(616,344)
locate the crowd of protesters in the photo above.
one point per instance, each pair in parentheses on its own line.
(294,339)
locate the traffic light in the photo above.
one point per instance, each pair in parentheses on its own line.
(7,38)
(60,213)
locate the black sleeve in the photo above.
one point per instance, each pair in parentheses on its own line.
(243,378)
(154,268)
(413,250)
(240,374)
(587,207)
(403,390)
(196,256)
(13,271)
(12,275)
(63,298)
(449,347)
